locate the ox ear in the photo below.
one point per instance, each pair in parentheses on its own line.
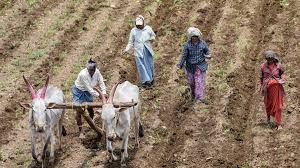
(25,105)
(51,105)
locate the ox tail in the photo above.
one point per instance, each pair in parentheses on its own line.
(64,131)
(141,130)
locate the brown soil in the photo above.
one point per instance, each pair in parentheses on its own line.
(58,37)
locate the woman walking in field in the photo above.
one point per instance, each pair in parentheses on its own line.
(271,80)
(140,39)
(195,53)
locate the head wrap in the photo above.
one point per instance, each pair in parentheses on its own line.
(139,20)
(193,31)
(271,54)
(91,65)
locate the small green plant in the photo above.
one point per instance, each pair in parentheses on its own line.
(205,110)
(105,28)
(156,139)
(37,53)
(159,2)
(178,2)
(32,3)
(183,38)
(26,64)
(40,53)
(247,164)
(50,32)
(57,24)
(220,73)
(63,55)
(1,157)
(55,43)
(56,69)
(131,22)
(264,164)
(223,87)
(156,56)
(16,62)
(2,32)
(19,152)
(110,18)
(18,113)
(168,32)
(284,3)
(147,9)
(157,103)
(76,1)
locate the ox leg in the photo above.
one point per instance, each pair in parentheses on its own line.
(33,146)
(136,126)
(47,141)
(52,146)
(110,150)
(60,130)
(124,153)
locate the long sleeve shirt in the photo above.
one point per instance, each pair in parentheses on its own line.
(194,56)
(85,82)
(140,38)
(267,73)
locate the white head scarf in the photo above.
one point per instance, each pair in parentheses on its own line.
(139,20)
(193,31)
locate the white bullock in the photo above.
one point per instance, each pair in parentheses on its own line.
(118,120)
(42,121)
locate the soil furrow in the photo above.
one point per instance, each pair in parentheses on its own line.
(58,37)
(242,104)
(174,113)
(23,29)
(6,4)
(40,72)
(271,144)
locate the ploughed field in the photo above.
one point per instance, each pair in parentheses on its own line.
(57,37)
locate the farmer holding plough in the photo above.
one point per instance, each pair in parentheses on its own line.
(84,89)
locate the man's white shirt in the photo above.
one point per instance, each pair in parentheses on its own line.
(85,82)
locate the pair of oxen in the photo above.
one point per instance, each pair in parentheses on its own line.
(44,118)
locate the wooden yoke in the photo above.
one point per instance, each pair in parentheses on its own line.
(83,111)
(90,105)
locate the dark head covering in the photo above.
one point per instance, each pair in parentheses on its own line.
(91,65)
(271,54)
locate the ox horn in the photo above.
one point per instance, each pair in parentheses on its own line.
(112,93)
(43,93)
(30,88)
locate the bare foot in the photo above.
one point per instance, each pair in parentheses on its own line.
(279,127)
(81,136)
